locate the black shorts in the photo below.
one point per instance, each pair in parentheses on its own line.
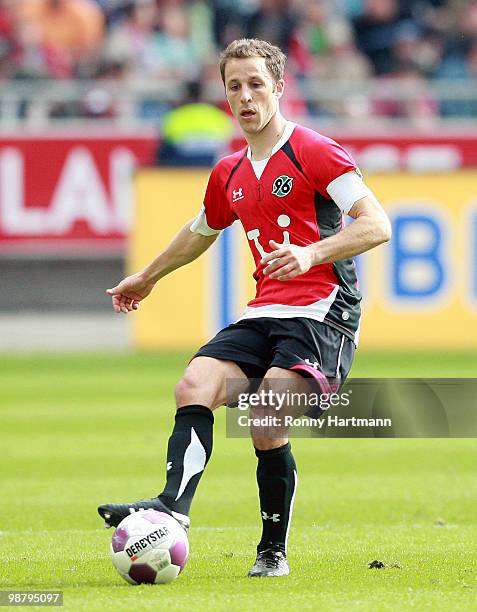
(310,347)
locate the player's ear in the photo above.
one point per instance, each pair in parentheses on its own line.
(279,88)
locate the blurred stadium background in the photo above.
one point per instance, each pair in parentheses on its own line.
(95,93)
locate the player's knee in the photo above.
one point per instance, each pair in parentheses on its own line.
(187,387)
(197,387)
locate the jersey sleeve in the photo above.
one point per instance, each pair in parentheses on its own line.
(218,211)
(326,161)
(200,226)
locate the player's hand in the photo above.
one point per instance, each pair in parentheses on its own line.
(130,291)
(286,262)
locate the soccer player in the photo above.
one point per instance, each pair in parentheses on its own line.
(289,188)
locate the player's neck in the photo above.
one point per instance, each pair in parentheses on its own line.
(262,143)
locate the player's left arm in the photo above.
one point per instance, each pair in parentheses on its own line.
(371,227)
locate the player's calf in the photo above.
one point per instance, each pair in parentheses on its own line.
(189,450)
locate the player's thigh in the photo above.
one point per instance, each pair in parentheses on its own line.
(245,343)
(206,381)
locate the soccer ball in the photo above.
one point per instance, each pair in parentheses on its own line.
(149,547)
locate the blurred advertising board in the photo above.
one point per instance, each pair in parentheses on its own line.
(420,290)
(69,192)
(398,151)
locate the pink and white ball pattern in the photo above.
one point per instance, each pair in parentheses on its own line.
(149,547)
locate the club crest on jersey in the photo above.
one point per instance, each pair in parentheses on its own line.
(282,186)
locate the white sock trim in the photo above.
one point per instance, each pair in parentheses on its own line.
(291,509)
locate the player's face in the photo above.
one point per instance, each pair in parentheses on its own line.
(252,93)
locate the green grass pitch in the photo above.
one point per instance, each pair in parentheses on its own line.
(81,430)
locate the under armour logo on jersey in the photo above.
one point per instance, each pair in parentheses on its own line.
(169,466)
(313,364)
(282,186)
(275,518)
(283,221)
(237,194)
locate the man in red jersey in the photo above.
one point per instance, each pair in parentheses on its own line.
(289,188)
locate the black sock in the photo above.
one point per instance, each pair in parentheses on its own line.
(276,478)
(188,452)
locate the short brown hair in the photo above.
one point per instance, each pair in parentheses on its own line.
(275,59)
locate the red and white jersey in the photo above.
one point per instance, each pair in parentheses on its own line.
(286,199)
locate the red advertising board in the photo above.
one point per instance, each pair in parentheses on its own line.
(72,192)
(393,152)
(388,153)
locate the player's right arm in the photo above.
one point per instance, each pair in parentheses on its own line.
(184,248)
(192,240)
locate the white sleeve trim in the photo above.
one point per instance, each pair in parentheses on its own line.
(200,225)
(348,189)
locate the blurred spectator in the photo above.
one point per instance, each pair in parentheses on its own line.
(405,44)
(326,44)
(274,20)
(35,59)
(229,21)
(375,32)
(430,15)
(343,61)
(457,66)
(73,28)
(173,53)
(196,133)
(310,36)
(131,39)
(153,43)
(468,20)
(8,42)
(413,100)
(412,46)
(113,9)
(348,9)
(344,64)
(201,29)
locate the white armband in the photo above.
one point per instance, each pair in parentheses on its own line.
(200,225)
(348,189)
